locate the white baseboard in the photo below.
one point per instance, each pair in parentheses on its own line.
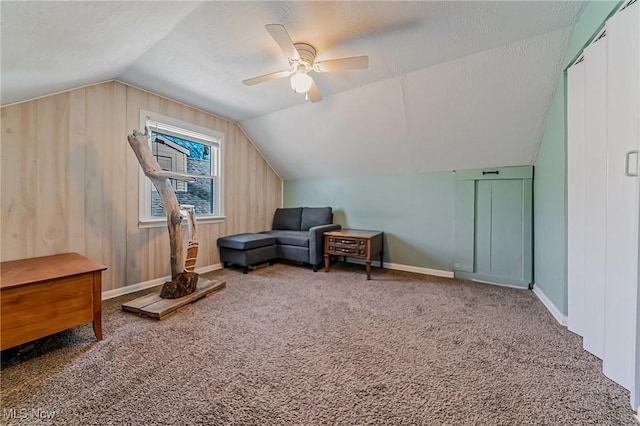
(562,319)
(500,284)
(110,294)
(406,268)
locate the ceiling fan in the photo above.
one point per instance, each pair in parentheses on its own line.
(301,61)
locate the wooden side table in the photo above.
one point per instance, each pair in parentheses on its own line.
(45,295)
(354,243)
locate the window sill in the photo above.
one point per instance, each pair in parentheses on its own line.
(161,222)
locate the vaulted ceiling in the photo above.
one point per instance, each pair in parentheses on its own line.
(450,85)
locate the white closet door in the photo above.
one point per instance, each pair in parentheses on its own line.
(635,391)
(622,197)
(595,182)
(576,119)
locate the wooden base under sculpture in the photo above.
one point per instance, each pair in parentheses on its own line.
(153,306)
(184,284)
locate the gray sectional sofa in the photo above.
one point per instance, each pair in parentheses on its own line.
(299,233)
(296,234)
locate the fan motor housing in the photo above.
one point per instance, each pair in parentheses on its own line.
(307,54)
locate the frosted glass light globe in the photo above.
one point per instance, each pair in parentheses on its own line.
(301,82)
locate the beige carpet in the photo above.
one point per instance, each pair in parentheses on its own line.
(284,345)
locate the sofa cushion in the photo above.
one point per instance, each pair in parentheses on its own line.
(290,238)
(246,241)
(315,216)
(287,219)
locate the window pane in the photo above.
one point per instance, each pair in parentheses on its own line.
(190,157)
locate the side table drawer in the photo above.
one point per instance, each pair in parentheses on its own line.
(348,251)
(347,242)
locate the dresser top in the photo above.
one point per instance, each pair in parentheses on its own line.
(38,269)
(360,233)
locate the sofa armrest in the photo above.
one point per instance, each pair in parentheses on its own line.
(316,241)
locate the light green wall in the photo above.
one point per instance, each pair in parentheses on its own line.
(415,212)
(550,189)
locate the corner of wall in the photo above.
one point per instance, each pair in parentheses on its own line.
(551,307)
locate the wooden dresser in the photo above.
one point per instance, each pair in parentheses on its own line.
(353,243)
(45,295)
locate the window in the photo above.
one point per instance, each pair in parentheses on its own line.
(189,150)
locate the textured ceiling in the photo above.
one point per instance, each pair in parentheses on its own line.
(450,84)
(54,46)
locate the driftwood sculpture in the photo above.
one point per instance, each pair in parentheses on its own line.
(183,278)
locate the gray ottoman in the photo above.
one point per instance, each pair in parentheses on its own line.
(246,249)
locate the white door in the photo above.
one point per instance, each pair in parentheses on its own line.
(622,196)
(576,138)
(635,391)
(595,183)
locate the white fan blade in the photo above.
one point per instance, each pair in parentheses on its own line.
(281,36)
(266,77)
(353,63)
(313,93)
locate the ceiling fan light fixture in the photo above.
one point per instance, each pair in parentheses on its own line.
(301,82)
(302,60)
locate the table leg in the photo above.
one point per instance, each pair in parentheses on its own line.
(381,257)
(326,263)
(368,269)
(97,305)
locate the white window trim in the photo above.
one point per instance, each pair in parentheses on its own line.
(145,185)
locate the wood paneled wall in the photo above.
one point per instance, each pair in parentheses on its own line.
(70,182)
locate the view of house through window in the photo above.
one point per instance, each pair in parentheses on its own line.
(182,148)
(184,156)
